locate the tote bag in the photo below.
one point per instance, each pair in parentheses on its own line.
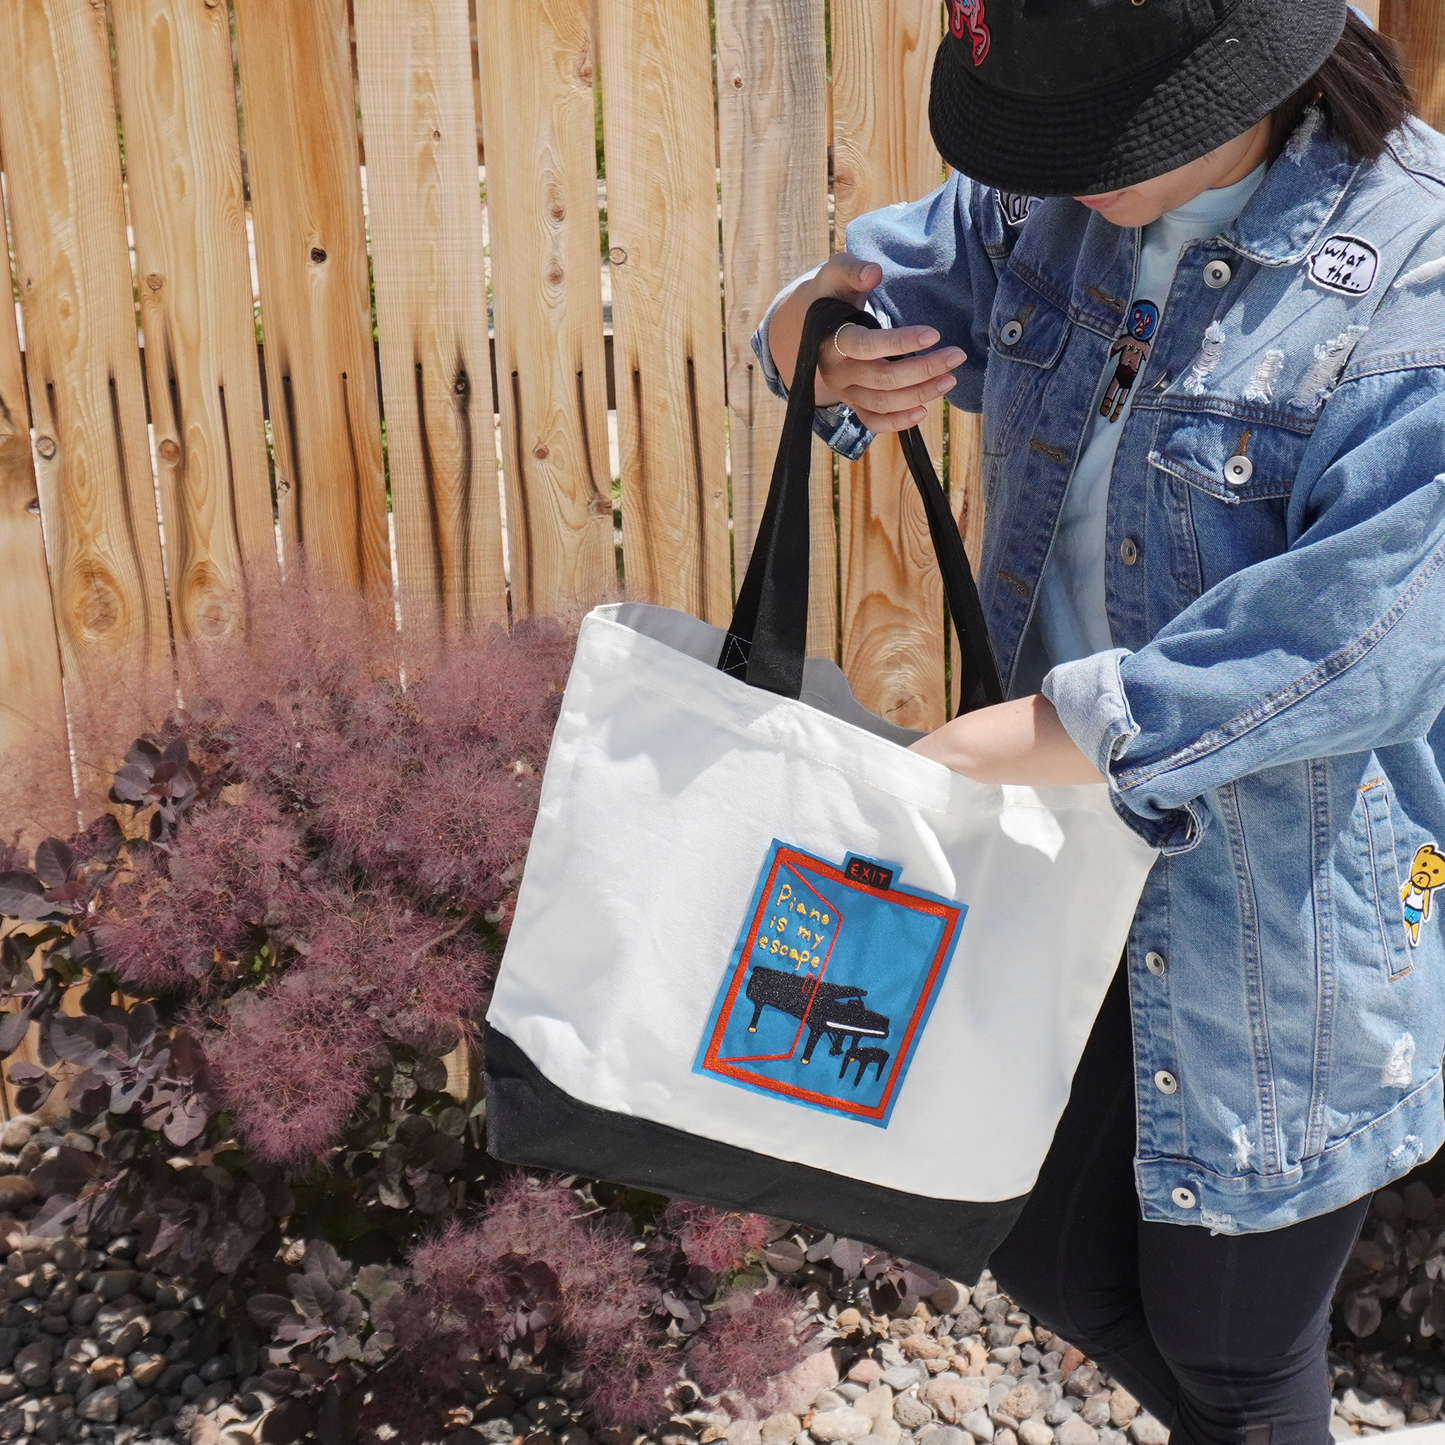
(765,957)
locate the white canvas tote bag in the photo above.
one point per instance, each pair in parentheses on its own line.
(764,956)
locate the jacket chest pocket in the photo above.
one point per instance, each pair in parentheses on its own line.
(1382,873)
(1027,337)
(1232,481)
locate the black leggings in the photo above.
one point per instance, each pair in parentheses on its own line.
(1222,1337)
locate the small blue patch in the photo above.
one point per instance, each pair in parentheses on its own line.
(829,954)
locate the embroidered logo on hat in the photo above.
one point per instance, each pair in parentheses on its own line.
(1345,264)
(968,16)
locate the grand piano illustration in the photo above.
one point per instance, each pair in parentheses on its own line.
(823,1008)
(836,952)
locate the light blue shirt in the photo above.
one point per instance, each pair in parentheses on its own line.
(1071,621)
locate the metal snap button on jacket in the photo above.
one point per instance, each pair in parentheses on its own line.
(1184,1198)
(1154,962)
(1010,332)
(1165,1082)
(1129,551)
(1217,275)
(1238,470)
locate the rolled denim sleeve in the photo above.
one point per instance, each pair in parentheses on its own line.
(938,257)
(1337,645)
(837,425)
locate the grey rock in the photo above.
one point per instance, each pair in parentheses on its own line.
(902,1377)
(978,1424)
(16,1190)
(1074,1432)
(828,1399)
(192,1386)
(911,1412)
(1035,1432)
(113,1283)
(831,1426)
(1122,1407)
(223,1367)
(943,1435)
(15,1134)
(1359,1409)
(1095,1411)
(956,1397)
(102,1406)
(1144,1429)
(498,1431)
(1062,1408)
(32,1364)
(850,1390)
(780,1429)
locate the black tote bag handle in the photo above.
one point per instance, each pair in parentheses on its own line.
(768,638)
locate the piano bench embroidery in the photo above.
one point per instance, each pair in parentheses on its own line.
(835,954)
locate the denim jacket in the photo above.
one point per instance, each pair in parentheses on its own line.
(1270,716)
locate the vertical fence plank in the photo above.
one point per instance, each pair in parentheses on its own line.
(537,121)
(1419,26)
(413,58)
(183,167)
(58,135)
(32,705)
(300,133)
(656,61)
(773,153)
(892,601)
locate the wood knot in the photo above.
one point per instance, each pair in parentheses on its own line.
(45,446)
(282,485)
(617,256)
(436,135)
(555,274)
(318,255)
(737,82)
(169,451)
(155,280)
(33,505)
(541,451)
(463,384)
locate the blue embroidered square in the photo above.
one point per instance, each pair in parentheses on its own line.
(829,985)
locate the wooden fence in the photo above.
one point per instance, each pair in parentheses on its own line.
(394,204)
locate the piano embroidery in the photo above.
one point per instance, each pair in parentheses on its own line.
(829,954)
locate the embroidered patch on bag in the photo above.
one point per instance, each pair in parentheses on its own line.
(968,17)
(1345,264)
(1014,208)
(829,985)
(1427,873)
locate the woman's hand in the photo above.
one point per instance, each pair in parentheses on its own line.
(1021,741)
(854,365)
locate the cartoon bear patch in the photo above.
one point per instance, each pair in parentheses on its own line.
(1427,873)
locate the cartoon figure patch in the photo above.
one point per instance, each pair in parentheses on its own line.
(1132,349)
(967,16)
(835,954)
(1427,873)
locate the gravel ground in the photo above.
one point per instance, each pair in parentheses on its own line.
(93,1346)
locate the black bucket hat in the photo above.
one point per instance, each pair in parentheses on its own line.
(1082,97)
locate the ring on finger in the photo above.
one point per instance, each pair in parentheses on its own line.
(838,348)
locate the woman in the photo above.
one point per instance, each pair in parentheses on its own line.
(1191,267)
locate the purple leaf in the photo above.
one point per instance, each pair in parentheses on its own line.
(268,1309)
(54,1215)
(143,753)
(54,862)
(68,1173)
(849,1256)
(312,1294)
(186,1120)
(132,784)
(22,896)
(14,1028)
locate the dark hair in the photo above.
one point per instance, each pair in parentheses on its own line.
(1361,89)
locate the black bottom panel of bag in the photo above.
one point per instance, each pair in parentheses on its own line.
(531,1121)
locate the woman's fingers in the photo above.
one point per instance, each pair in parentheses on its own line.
(888,395)
(861,343)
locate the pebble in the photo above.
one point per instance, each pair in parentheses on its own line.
(877,1404)
(1035,1432)
(943,1435)
(1359,1409)
(978,1425)
(827,1399)
(911,1412)
(866,1371)
(1144,1429)
(955,1398)
(102,1406)
(1075,1432)
(780,1429)
(1096,1410)
(901,1377)
(16,1190)
(830,1426)
(1122,1407)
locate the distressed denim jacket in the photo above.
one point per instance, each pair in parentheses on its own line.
(1270,716)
